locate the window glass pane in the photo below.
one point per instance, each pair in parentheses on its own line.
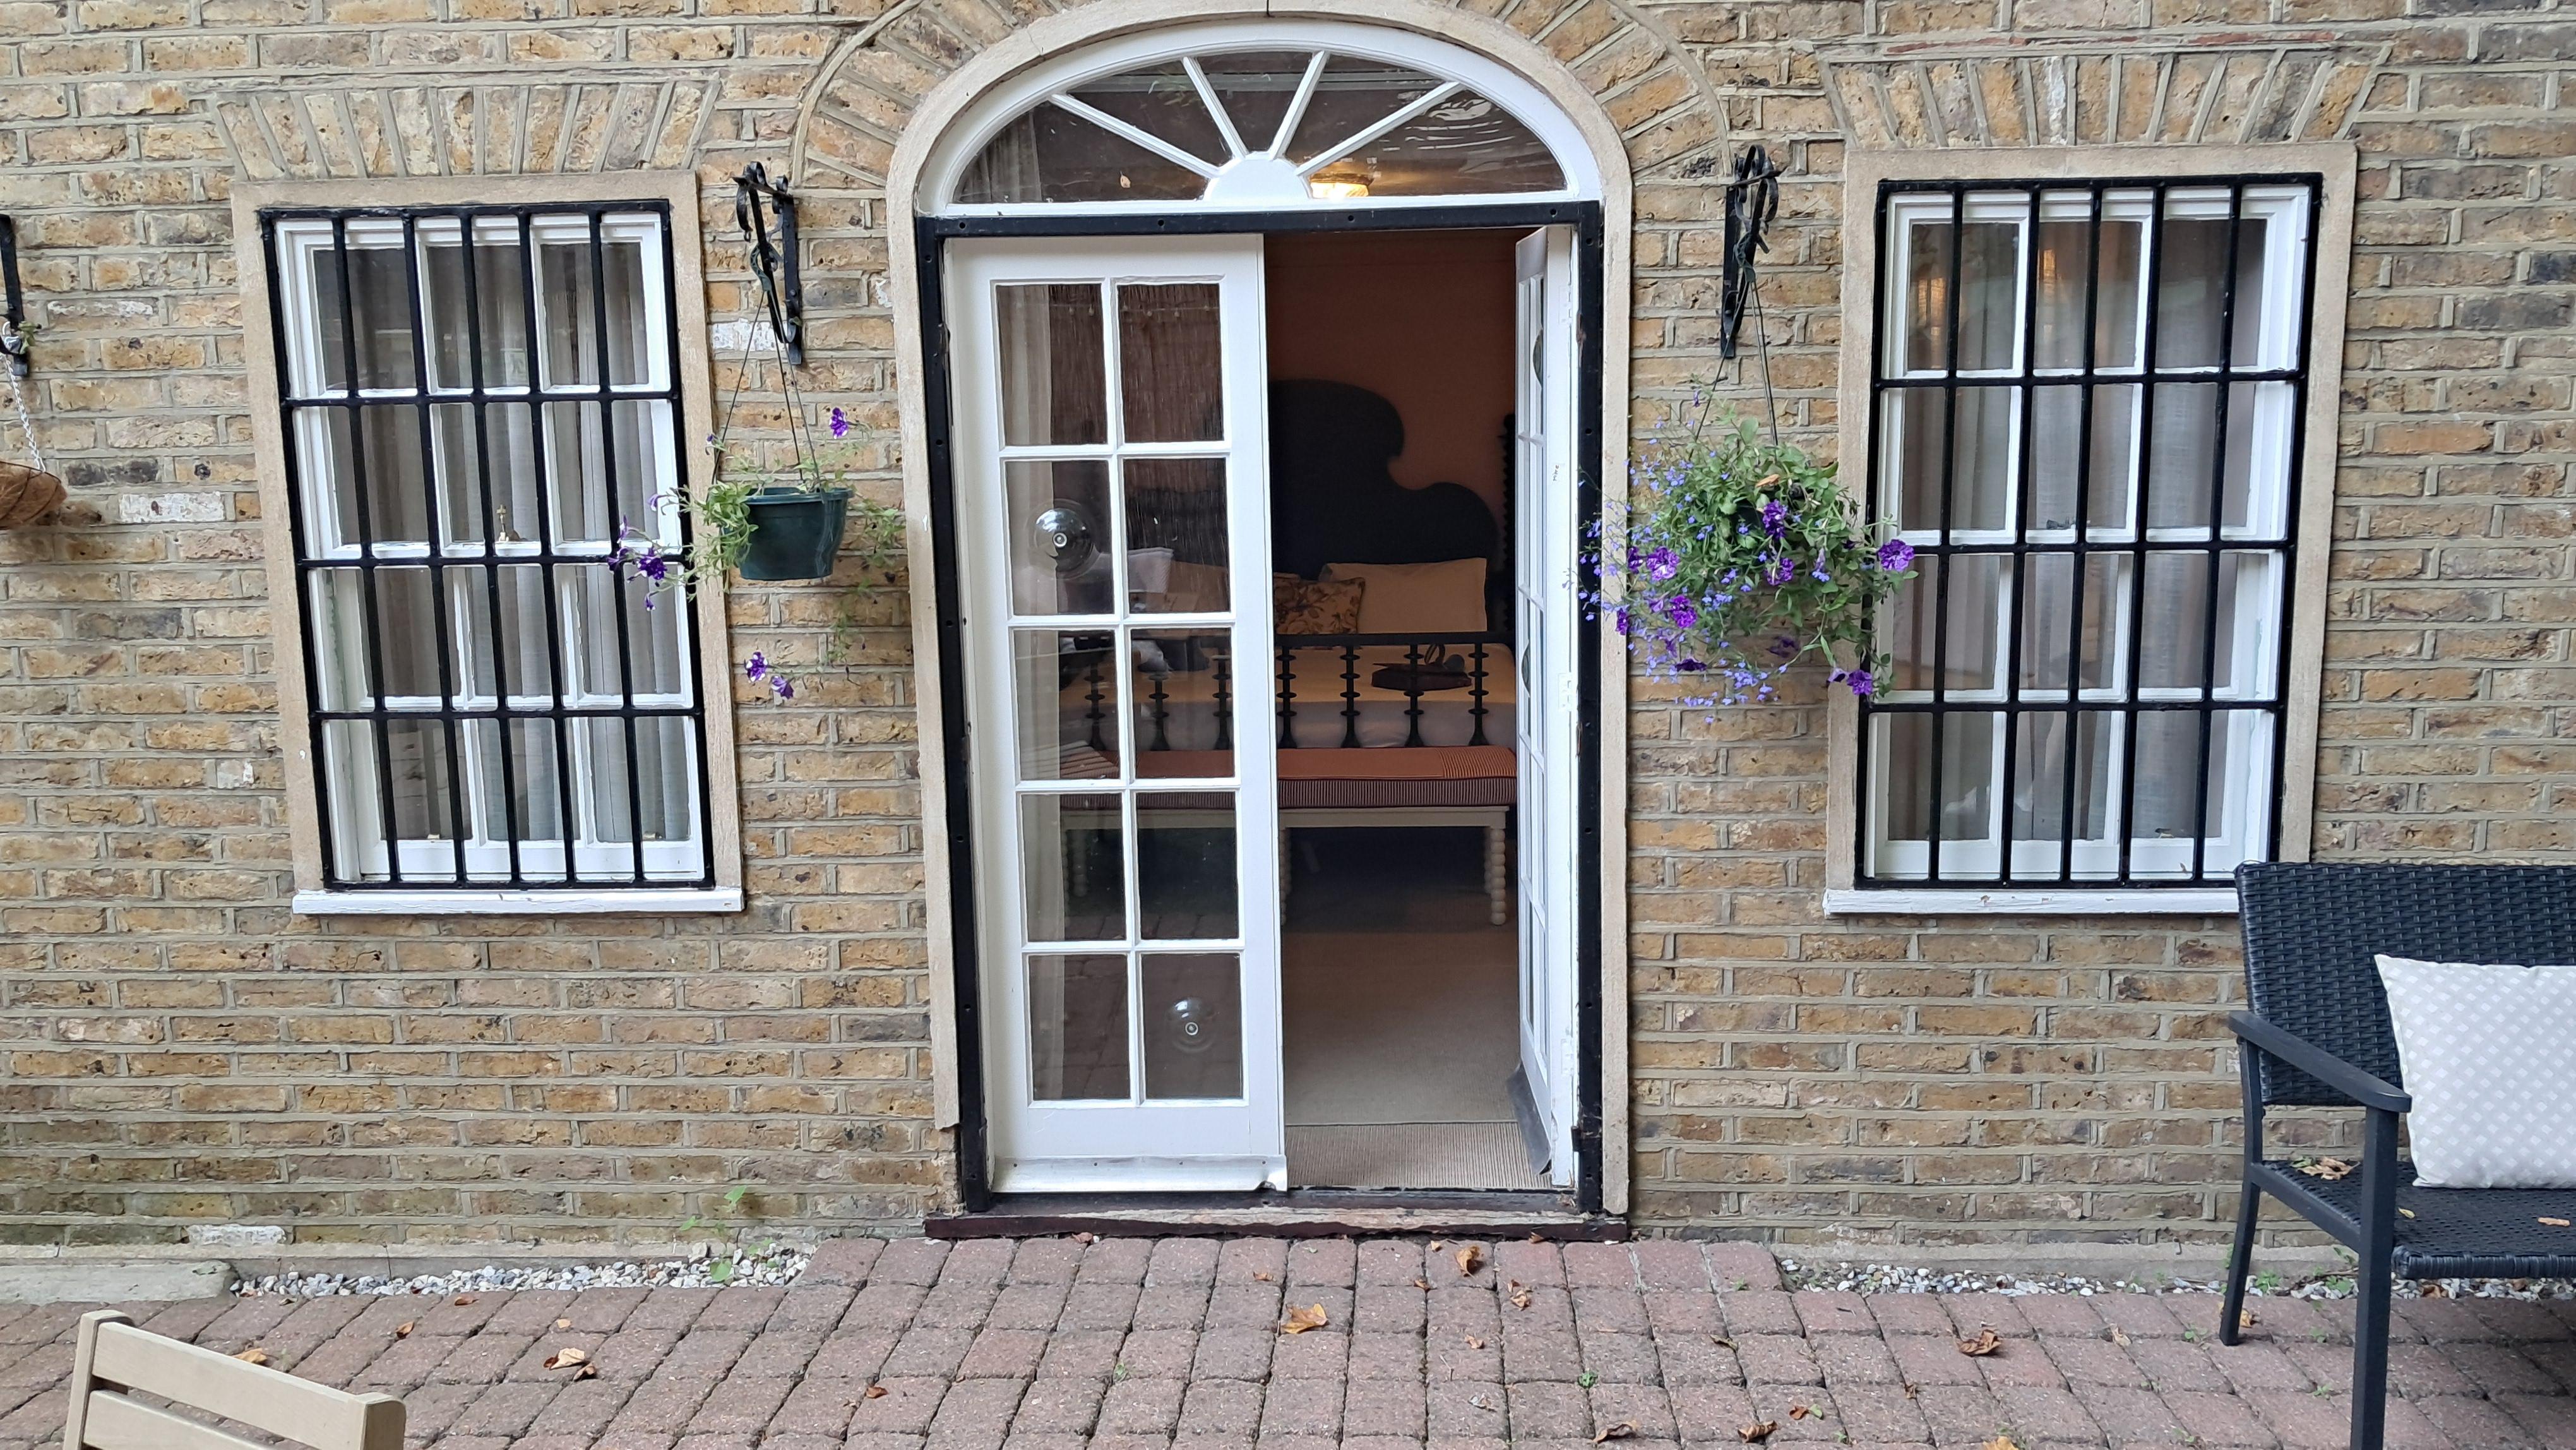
(498,317)
(1193,1021)
(580,455)
(339,624)
(1170,362)
(653,660)
(1967,749)
(665,746)
(1978,480)
(2051,624)
(1465,143)
(378,314)
(2058,447)
(1052,364)
(1160,101)
(1059,537)
(1255,86)
(1067,685)
(417,750)
(517,647)
(1077,1028)
(2167,798)
(394,506)
(569,307)
(407,632)
(1074,868)
(1184,688)
(2191,292)
(2066,270)
(515,793)
(1185,875)
(1974,601)
(466,452)
(2180,631)
(2040,761)
(349,786)
(1051,154)
(537,804)
(1176,535)
(1989,295)
(1352,96)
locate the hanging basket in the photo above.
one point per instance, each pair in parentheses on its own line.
(794,534)
(27,495)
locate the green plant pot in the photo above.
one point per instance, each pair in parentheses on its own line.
(794,535)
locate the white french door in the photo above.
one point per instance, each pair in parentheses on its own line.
(1111,477)
(1544,616)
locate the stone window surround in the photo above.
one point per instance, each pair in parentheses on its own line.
(723,826)
(2335,162)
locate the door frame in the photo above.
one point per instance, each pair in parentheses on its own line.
(931,234)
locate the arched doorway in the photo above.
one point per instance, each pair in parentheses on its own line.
(1147,523)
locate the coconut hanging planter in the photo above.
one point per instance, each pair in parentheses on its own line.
(28,495)
(795,533)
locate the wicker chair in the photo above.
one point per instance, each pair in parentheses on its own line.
(2318,1035)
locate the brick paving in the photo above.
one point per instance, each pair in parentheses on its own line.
(1172,1344)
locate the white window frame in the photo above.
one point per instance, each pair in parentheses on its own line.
(281,308)
(1855,827)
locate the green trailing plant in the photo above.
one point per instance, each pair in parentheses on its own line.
(1744,559)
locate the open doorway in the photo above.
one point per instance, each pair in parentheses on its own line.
(1392,391)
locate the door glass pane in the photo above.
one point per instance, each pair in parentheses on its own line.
(1184,687)
(1193,1021)
(1176,544)
(1255,87)
(1067,686)
(1160,101)
(1052,361)
(1058,517)
(1171,366)
(1076,870)
(1185,872)
(1465,143)
(1077,1028)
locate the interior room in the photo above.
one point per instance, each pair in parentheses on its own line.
(1390,354)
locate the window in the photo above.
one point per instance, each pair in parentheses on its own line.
(474,402)
(2086,412)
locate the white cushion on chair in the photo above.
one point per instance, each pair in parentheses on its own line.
(2489,1055)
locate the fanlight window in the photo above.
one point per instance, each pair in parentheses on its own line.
(1260,126)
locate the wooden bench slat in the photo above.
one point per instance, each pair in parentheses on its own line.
(113,1351)
(117,1423)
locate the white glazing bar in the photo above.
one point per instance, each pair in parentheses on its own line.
(1425,102)
(1146,139)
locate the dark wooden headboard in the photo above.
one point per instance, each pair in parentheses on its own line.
(1332,499)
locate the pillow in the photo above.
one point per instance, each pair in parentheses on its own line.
(1419,598)
(1306,606)
(2489,1055)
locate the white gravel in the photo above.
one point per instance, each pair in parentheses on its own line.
(774,1266)
(1906,1279)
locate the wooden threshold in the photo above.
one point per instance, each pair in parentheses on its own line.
(1297,1214)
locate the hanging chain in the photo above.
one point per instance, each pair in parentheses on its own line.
(1752,203)
(26,425)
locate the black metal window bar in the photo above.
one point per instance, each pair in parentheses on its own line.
(2086,417)
(479,403)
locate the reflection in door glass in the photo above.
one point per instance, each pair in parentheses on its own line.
(1076,871)
(1183,688)
(1068,704)
(1176,552)
(1185,873)
(1193,1021)
(1077,1028)
(1058,516)
(1052,364)
(1171,371)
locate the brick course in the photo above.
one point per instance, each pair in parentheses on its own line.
(180,1048)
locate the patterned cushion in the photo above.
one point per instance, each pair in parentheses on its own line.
(2489,1055)
(1304,606)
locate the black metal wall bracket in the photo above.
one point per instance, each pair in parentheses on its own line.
(1752,201)
(774,255)
(13,302)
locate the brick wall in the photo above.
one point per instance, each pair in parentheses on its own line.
(180,1048)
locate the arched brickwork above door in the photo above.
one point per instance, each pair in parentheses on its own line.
(872,88)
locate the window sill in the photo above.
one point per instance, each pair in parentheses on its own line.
(1952,901)
(647,901)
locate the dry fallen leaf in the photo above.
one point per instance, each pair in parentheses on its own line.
(2000,1442)
(2555,1222)
(253,1356)
(1474,1343)
(2406,1213)
(1620,1431)
(567,1358)
(1262,1274)
(1421,1283)
(1086,1237)
(1986,1342)
(1756,1434)
(2119,1336)
(1913,1391)
(2328,1169)
(1520,1297)
(1799,1412)
(404,1329)
(1438,1244)
(2245,1319)
(464,1299)
(1470,1259)
(563,1324)
(1301,1320)
(1721,1341)
(873,1392)
(1534,1238)
(2433,1289)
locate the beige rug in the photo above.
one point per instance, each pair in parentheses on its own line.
(1401,1027)
(1410,1155)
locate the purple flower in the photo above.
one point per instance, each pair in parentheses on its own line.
(1678,609)
(840,424)
(1784,648)
(1818,573)
(786,688)
(1775,517)
(1662,564)
(1860,682)
(1779,572)
(757,667)
(1895,556)
(1623,619)
(1690,666)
